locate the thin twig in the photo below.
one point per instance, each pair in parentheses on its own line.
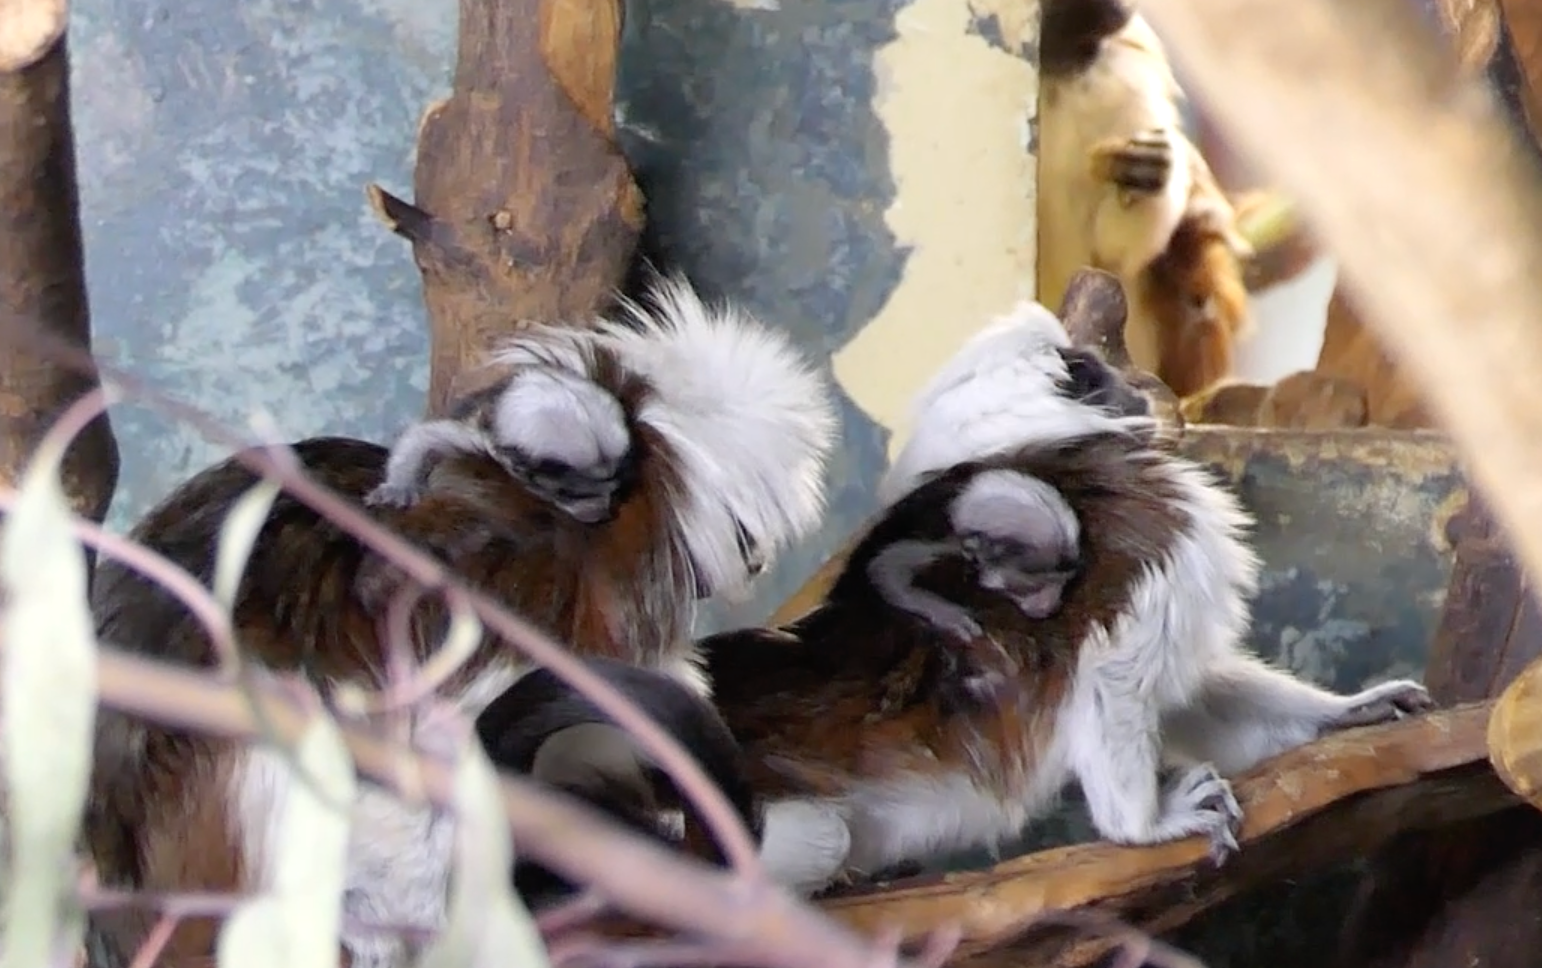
(571,913)
(574,839)
(159,569)
(155,942)
(281,465)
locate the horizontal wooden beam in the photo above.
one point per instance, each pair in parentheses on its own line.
(1337,798)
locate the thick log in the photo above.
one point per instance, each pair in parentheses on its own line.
(525,208)
(42,275)
(1330,801)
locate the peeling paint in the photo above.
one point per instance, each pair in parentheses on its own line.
(955,106)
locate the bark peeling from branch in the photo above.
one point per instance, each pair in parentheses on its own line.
(525,208)
(42,275)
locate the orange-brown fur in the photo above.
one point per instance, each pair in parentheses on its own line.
(1195,293)
(1124,189)
(313,600)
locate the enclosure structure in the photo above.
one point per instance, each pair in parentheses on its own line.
(495,239)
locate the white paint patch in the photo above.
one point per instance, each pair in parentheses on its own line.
(951,103)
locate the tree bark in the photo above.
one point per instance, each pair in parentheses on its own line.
(525,208)
(42,274)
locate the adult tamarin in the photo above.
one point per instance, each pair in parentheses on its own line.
(546,729)
(723,428)
(1122,188)
(870,756)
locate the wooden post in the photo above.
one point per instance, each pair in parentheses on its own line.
(525,209)
(42,277)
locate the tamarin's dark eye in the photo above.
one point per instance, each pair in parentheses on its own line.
(1086,374)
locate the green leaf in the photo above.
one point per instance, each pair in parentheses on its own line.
(486,923)
(296,923)
(47,715)
(238,533)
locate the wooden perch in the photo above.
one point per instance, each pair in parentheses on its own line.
(525,207)
(42,276)
(1324,803)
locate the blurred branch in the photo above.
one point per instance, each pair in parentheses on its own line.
(637,874)
(1515,735)
(1410,175)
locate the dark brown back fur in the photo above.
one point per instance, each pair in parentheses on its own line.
(313,600)
(855,694)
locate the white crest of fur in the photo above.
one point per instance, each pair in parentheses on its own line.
(751,420)
(559,414)
(1004,503)
(999,392)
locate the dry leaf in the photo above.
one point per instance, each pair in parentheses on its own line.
(485,922)
(47,716)
(297,920)
(462,639)
(238,533)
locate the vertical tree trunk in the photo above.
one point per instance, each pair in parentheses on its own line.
(42,276)
(525,208)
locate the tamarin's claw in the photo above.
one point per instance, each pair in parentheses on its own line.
(393,495)
(1384,703)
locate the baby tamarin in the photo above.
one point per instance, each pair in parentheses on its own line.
(561,436)
(1016,532)
(1122,188)
(725,429)
(548,730)
(856,740)
(1019,538)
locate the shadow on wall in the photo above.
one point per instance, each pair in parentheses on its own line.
(753,135)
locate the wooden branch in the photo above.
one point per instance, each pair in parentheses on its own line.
(525,207)
(1332,800)
(1305,400)
(1380,152)
(42,276)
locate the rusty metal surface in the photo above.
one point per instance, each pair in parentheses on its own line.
(1352,528)
(1352,532)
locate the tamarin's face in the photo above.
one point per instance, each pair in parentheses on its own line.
(1033,575)
(1092,382)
